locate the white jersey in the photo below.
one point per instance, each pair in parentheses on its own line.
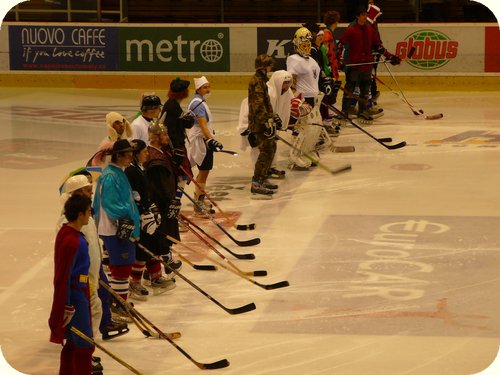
(140,128)
(307,71)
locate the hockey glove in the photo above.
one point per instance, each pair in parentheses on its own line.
(395,60)
(148,222)
(156,212)
(125,228)
(69,311)
(277,121)
(270,131)
(252,140)
(341,64)
(178,157)
(174,208)
(214,145)
(299,108)
(187,120)
(246,132)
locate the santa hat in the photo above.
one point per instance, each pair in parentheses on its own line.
(198,82)
(373,13)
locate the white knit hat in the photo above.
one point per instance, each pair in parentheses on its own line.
(198,82)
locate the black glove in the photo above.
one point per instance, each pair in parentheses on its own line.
(148,222)
(214,145)
(252,140)
(246,132)
(187,120)
(327,86)
(156,212)
(270,131)
(174,208)
(341,64)
(178,157)
(395,60)
(277,121)
(125,228)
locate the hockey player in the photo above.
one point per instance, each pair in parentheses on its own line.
(150,110)
(262,124)
(81,184)
(202,143)
(361,40)
(71,306)
(281,98)
(118,219)
(163,192)
(117,126)
(306,73)
(150,221)
(176,122)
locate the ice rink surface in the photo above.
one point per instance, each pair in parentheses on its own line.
(393,267)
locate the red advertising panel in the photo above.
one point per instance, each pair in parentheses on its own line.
(492,52)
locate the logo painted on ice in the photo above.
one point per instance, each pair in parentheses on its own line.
(433,49)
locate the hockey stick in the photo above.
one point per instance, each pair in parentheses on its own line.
(387,139)
(413,109)
(234,153)
(237,271)
(343,168)
(251,242)
(134,314)
(236,255)
(203,267)
(219,364)
(237,226)
(249,273)
(389,147)
(238,310)
(114,356)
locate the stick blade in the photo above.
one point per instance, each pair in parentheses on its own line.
(213,366)
(259,273)
(342,168)
(396,146)
(252,242)
(204,267)
(242,309)
(280,284)
(243,256)
(245,226)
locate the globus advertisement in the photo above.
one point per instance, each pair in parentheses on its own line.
(436,48)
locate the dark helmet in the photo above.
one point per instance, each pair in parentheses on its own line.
(262,61)
(150,102)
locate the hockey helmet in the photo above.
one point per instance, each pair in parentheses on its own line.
(263,61)
(302,41)
(150,102)
(76,182)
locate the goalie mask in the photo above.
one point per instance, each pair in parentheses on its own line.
(302,42)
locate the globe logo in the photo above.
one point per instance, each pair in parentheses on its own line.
(432,49)
(211,50)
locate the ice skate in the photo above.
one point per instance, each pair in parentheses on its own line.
(258,189)
(114,329)
(119,314)
(276,173)
(138,292)
(365,118)
(162,285)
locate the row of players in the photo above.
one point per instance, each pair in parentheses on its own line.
(138,194)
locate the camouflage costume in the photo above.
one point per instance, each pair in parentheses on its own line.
(259,112)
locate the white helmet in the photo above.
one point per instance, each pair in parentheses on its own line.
(302,41)
(76,182)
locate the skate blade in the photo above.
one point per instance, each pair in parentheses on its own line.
(261,197)
(342,149)
(160,291)
(138,297)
